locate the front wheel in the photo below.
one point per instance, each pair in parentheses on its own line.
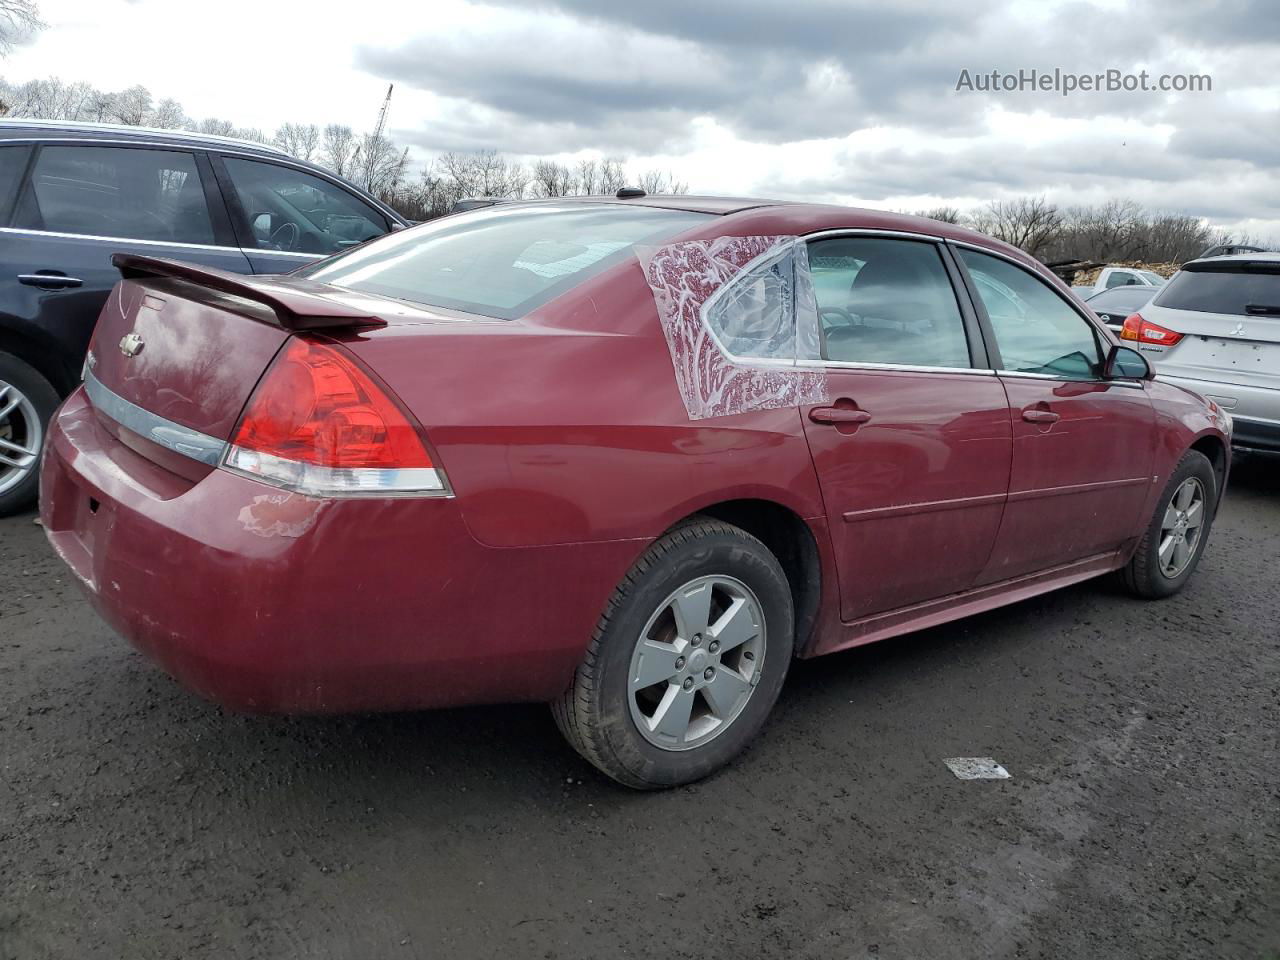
(687,660)
(1178,531)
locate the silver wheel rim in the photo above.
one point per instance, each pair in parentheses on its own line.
(20,437)
(696,663)
(1181,527)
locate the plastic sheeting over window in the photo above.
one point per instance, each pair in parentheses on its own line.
(738,314)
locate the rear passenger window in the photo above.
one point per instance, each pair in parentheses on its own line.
(117,192)
(13,160)
(1036,330)
(886,301)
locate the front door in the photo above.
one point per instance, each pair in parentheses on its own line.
(1083,446)
(913,452)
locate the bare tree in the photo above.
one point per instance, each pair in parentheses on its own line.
(19,19)
(302,140)
(215,127)
(338,148)
(551,179)
(169,115)
(1027,222)
(132,106)
(655,181)
(943,214)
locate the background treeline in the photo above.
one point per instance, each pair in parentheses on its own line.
(1120,230)
(370,160)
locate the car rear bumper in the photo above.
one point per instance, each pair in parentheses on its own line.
(269,601)
(1254,411)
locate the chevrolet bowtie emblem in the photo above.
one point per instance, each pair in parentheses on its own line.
(131,344)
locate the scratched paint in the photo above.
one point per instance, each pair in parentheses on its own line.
(280,514)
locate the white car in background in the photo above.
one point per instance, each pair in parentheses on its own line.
(1215,329)
(1112,277)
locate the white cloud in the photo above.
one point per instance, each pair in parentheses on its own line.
(850,102)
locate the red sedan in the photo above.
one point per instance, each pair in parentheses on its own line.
(628,456)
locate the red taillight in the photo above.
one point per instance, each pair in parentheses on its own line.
(1144,331)
(318,423)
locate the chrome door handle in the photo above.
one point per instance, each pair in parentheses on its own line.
(1032,415)
(50,281)
(838,415)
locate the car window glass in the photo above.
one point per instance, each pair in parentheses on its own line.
(882,300)
(117,192)
(13,161)
(754,316)
(294,211)
(1036,330)
(1238,289)
(505,260)
(1119,278)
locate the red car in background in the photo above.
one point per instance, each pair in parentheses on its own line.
(627,456)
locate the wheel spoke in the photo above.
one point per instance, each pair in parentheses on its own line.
(1181,551)
(692,609)
(671,719)
(16,448)
(1170,517)
(1185,493)
(656,662)
(1166,550)
(725,691)
(9,405)
(735,625)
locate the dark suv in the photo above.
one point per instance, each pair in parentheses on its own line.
(72,194)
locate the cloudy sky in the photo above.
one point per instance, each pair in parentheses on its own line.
(838,100)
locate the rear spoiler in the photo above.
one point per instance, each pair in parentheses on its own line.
(297,303)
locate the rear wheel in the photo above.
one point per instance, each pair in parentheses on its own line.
(27,401)
(1178,531)
(686,662)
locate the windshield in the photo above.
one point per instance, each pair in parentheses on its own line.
(502,261)
(1152,277)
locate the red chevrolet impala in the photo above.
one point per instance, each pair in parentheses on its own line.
(626,455)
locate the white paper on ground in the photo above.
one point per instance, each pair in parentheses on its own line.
(976,768)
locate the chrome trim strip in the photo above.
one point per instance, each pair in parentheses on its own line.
(149,243)
(927,506)
(1129,382)
(1016,496)
(870,231)
(81,131)
(894,367)
(172,436)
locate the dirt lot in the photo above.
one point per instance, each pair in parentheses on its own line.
(1142,818)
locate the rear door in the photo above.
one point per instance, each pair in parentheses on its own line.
(287,217)
(82,202)
(1082,445)
(1225,314)
(913,452)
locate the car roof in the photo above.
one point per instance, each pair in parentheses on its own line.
(24,128)
(1262,256)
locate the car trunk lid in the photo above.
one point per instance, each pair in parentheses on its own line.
(178,349)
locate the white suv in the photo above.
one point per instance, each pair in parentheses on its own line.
(1215,329)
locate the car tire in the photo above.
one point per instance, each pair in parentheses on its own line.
(1164,562)
(27,402)
(652,629)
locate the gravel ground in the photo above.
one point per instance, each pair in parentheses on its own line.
(1142,818)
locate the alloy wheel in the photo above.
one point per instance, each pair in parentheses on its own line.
(20,436)
(1181,527)
(696,663)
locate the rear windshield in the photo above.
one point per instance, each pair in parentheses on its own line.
(1242,290)
(502,261)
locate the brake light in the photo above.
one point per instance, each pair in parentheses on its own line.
(319,424)
(1144,331)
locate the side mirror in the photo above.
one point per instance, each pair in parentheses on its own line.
(1124,363)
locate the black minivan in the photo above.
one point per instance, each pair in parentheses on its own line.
(72,194)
